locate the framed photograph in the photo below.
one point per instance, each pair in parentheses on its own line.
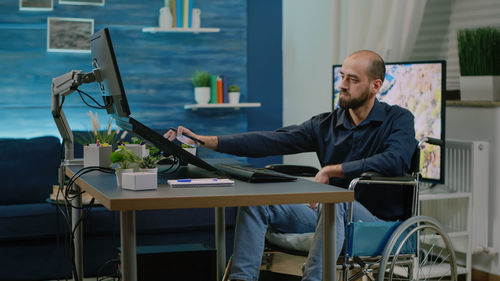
(82,2)
(69,34)
(36,5)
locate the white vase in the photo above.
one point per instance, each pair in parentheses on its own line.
(165,19)
(119,172)
(195,18)
(202,95)
(234,97)
(480,88)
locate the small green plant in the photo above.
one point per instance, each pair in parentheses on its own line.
(123,157)
(149,162)
(233,88)
(478,51)
(201,79)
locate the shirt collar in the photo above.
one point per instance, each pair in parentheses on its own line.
(377,113)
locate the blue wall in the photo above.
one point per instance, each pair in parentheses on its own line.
(155,68)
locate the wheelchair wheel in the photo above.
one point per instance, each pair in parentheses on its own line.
(419,249)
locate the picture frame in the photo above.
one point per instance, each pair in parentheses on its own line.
(82,2)
(36,5)
(69,34)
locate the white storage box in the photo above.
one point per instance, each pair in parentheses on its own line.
(94,155)
(139,181)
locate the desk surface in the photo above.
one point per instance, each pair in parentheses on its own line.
(103,187)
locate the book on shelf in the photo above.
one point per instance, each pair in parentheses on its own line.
(213,88)
(179,15)
(225,98)
(173,10)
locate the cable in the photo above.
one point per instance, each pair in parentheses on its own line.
(99,106)
(70,194)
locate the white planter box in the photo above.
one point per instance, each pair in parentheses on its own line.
(139,181)
(119,172)
(138,149)
(94,155)
(480,88)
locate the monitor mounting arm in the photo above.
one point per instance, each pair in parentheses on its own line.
(61,87)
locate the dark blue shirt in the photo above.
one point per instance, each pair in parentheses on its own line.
(384,142)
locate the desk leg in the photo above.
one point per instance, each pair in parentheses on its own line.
(220,241)
(128,255)
(78,238)
(329,247)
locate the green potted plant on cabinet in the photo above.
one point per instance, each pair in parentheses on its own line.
(479,57)
(201,83)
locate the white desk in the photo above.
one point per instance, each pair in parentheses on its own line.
(103,188)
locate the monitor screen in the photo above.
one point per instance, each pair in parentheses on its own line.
(418,87)
(103,58)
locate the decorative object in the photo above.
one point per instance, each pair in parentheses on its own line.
(69,34)
(165,19)
(94,155)
(119,175)
(82,2)
(479,63)
(201,83)
(196,18)
(234,94)
(139,181)
(149,164)
(124,158)
(36,5)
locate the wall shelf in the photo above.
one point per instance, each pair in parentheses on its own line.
(235,106)
(181,30)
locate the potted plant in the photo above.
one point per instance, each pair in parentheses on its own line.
(201,83)
(125,159)
(99,145)
(148,164)
(479,60)
(234,94)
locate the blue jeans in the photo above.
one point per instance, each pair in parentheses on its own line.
(252,223)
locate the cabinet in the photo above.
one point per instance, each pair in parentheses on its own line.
(235,106)
(453,210)
(461,205)
(181,30)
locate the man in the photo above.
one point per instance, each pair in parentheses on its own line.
(362,135)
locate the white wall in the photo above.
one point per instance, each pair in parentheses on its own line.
(307,65)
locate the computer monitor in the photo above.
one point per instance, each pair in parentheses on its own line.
(419,87)
(103,58)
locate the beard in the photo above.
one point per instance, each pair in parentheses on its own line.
(348,102)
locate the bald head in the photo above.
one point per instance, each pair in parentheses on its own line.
(376,65)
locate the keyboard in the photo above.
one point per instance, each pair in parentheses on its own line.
(253,175)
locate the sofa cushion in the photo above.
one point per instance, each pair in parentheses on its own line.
(28,169)
(34,221)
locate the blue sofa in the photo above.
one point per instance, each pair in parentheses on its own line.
(33,244)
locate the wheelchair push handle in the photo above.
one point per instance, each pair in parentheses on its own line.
(430,140)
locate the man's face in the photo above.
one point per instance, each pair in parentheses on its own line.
(355,86)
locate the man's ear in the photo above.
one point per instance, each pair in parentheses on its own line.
(375,86)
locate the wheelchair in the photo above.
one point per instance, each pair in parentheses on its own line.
(412,247)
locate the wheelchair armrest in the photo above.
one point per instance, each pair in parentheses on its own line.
(376,176)
(294,170)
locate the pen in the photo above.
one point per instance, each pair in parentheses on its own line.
(184,180)
(192,138)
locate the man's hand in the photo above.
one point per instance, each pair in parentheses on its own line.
(327,172)
(211,142)
(324,175)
